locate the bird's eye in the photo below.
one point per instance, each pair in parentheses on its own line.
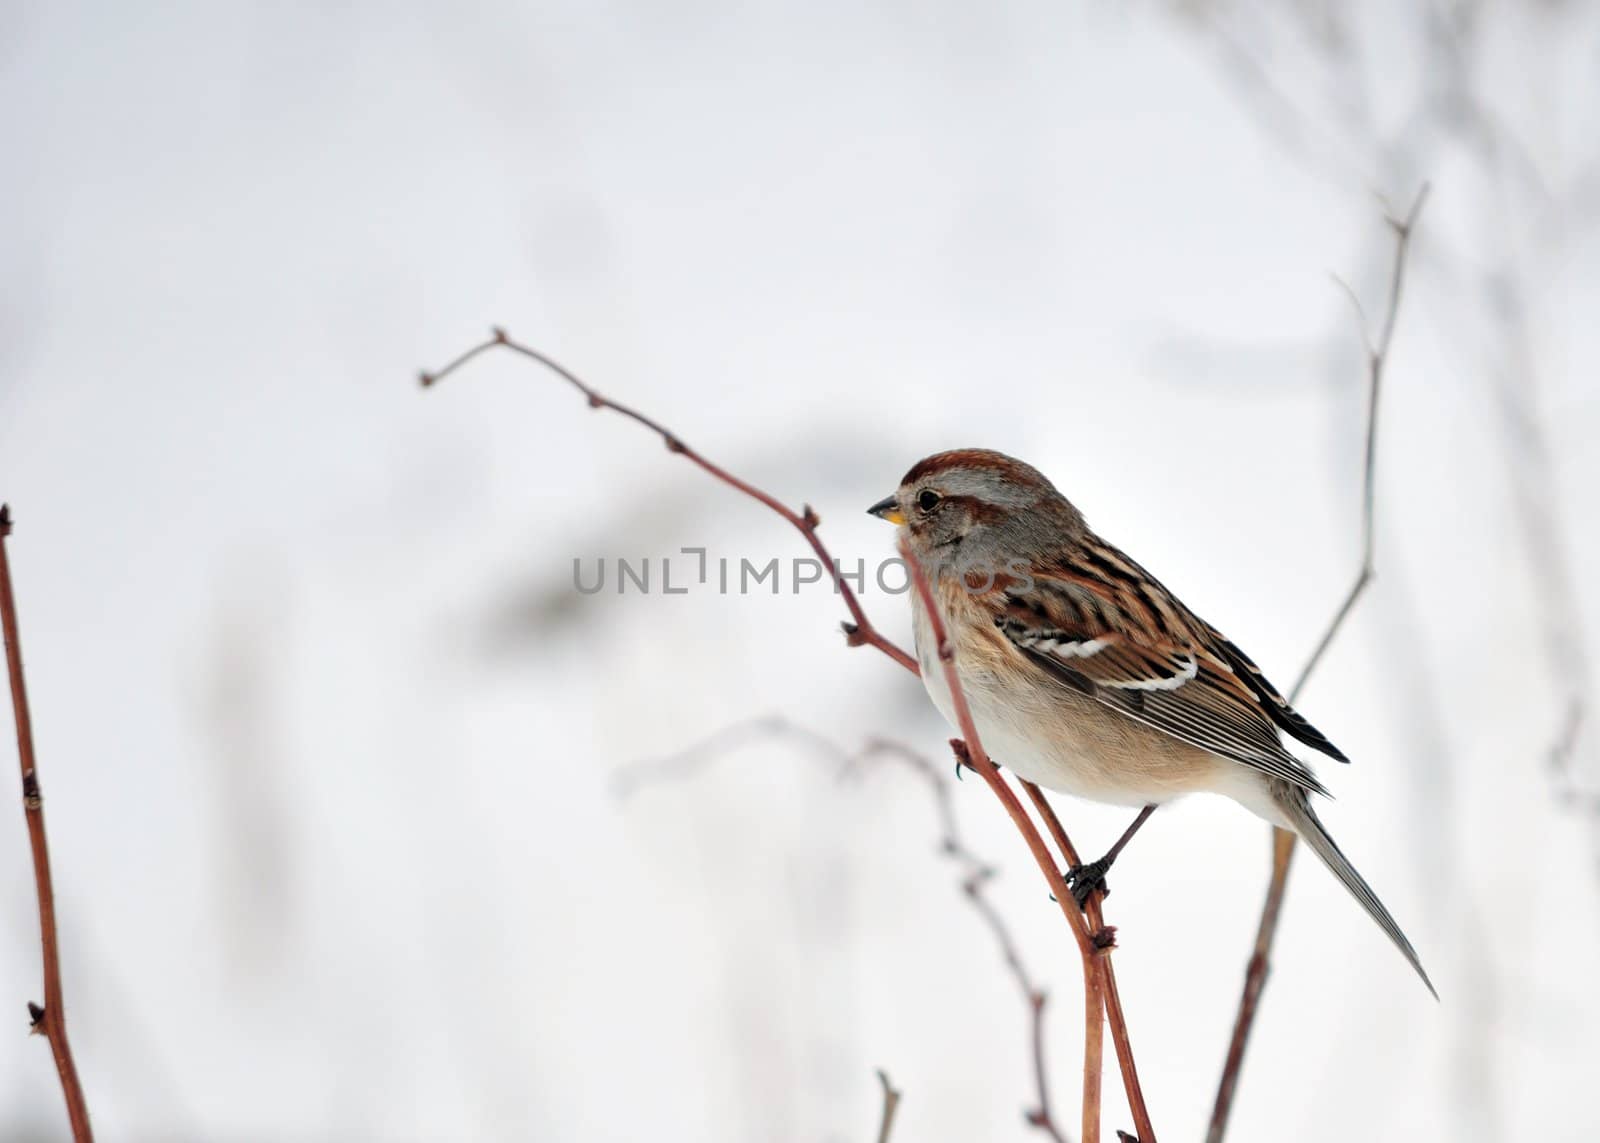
(927,500)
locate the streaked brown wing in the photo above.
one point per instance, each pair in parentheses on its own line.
(1139,654)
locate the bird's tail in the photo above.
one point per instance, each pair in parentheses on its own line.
(1303,820)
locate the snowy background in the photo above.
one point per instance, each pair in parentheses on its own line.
(329,740)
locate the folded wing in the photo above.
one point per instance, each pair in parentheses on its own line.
(1123,640)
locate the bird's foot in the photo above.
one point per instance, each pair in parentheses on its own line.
(1085,879)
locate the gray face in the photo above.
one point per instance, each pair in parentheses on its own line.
(973,509)
(976,508)
(946,510)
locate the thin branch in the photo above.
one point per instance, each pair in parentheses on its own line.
(891,1104)
(1377,359)
(1283,842)
(51,1020)
(1106,934)
(1094,1026)
(858,632)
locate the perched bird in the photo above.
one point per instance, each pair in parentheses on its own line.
(1085,675)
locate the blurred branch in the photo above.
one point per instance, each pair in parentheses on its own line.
(1283,841)
(51,1020)
(891,1104)
(858,632)
(976,873)
(1524,208)
(1536,491)
(1568,793)
(1508,166)
(630,779)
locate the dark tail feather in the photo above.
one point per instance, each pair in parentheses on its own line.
(1304,822)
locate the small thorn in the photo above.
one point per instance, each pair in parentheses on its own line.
(35,1019)
(809,516)
(673,443)
(500,337)
(5,519)
(1034,1118)
(426,378)
(596,401)
(852,634)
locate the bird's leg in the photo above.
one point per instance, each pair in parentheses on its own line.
(964,758)
(1085,879)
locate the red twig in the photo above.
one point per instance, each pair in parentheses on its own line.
(1260,963)
(859,632)
(1118,1023)
(51,1020)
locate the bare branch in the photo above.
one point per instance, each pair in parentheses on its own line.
(49,1021)
(1377,359)
(1283,841)
(1105,936)
(858,632)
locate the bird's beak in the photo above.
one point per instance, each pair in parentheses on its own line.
(887,509)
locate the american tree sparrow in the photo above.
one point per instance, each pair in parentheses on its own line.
(1086,675)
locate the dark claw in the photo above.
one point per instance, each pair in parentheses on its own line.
(1085,879)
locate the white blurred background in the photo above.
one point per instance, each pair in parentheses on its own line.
(328,738)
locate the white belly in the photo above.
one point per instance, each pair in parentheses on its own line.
(1010,731)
